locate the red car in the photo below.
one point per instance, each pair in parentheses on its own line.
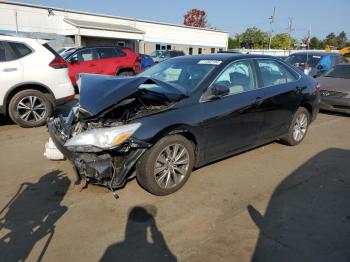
(105,60)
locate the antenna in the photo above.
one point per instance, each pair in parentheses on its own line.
(290,30)
(272,22)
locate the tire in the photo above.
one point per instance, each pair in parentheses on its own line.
(174,173)
(126,73)
(300,122)
(30,108)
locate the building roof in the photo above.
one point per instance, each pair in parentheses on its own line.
(103,26)
(109,16)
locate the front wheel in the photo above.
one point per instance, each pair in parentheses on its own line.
(298,128)
(165,167)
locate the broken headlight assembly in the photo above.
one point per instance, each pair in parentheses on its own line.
(99,139)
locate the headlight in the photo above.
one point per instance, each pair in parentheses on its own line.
(98,139)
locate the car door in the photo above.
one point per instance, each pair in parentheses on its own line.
(282,96)
(110,60)
(233,121)
(11,69)
(85,61)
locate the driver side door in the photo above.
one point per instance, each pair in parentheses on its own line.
(233,120)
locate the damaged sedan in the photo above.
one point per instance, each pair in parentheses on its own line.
(182,114)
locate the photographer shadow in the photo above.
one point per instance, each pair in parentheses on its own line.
(308,215)
(31,215)
(143,241)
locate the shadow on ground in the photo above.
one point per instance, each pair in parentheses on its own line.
(143,241)
(308,216)
(31,215)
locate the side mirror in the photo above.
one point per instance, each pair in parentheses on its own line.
(74,60)
(320,67)
(220,90)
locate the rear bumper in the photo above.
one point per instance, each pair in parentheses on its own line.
(341,105)
(109,168)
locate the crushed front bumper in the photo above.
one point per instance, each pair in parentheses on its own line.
(336,104)
(109,168)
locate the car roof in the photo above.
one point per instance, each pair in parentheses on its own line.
(318,53)
(223,56)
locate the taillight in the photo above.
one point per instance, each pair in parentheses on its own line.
(58,62)
(318,87)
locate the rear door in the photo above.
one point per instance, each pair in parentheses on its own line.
(282,96)
(11,69)
(87,63)
(110,60)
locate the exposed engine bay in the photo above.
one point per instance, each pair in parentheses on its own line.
(108,152)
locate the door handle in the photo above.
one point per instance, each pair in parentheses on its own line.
(10,69)
(300,88)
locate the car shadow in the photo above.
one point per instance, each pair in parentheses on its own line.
(143,240)
(30,215)
(308,215)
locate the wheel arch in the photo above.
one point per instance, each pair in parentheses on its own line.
(25,86)
(187,132)
(124,69)
(308,107)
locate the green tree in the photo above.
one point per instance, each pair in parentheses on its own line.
(281,41)
(316,43)
(331,40)
(233,43)
(341,39)
(253,37)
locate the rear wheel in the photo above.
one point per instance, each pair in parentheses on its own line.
(165,167)
(298,128)
(30,108)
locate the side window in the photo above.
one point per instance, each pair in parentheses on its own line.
(238,77)
(106,52)
(274,73)
(19,49)
(84,55)
(119,52)
(2,53)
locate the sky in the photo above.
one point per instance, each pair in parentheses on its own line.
(322,17)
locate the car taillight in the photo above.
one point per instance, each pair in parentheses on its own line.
(58,62)
(318,87)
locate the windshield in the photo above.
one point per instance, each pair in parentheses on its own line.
(155,53)
(66,54)
(303,59)
(184,75)
(339,72)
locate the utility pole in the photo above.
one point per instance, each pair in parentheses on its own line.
(290,30)
(272,21)
(16,19)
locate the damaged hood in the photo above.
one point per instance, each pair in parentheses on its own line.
(99,92)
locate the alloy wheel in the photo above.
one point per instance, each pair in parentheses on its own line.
(31,109)
(300,127)
(171,166)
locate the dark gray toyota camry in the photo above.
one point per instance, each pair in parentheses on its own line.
(181,114)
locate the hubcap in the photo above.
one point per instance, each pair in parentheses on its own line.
(31,109)
(300,127)
(171,166)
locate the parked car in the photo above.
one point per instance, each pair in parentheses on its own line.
(183,113)
(106,60)
(335,93)
(162,55)
(66,49)
(33,79)
(146,61)
(315,63)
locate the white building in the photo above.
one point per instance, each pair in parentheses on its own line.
(75,28)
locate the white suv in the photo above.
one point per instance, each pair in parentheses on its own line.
(33,79)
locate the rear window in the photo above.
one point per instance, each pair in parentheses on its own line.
(20,49)
(106,52)
(303,59)
(2,53)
